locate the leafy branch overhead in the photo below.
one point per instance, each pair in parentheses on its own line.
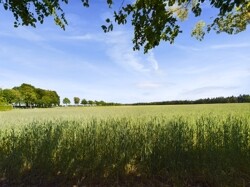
(153,20)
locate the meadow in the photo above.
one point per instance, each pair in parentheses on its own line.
(179,145)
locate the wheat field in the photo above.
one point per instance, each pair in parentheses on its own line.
(184,145)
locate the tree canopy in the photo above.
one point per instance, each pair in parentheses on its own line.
(2,99)
(66,101)
(153,20)
(30,96)
(76,100)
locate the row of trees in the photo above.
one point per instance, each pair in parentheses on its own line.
(232,99)
(27,95)
(78,101)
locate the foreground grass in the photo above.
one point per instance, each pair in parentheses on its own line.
(209,150)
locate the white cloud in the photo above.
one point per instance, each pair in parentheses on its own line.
(151,59)
(226,46)
(84,37)
(209,89)
(23,33)
(148,85)
(120,51)
(187,48)
(215,46)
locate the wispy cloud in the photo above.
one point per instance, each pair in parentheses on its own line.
(151,59)
(211,47)
(148,85)
(187,48)
(23,33)
(226,46)
(86,37)
(120,51)
(209,89)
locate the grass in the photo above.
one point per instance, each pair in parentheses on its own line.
(5,107)
(19,117)
(198,145)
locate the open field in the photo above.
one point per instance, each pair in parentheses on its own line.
(19,117)
(184,145)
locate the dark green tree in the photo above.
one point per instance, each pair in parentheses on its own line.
(50,98)
(84,102)
(12,96)
(29,95)
(153,20)
(2,99)
(66,101)
(40,93)
(55,98)
(102,103)
(7,94)
(76,100)
(90,102)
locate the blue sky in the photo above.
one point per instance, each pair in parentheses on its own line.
(85,62)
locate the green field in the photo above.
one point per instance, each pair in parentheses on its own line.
(181,145)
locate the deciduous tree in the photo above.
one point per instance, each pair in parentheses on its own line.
(153,20)
(84,102)
(28,94)
(76,100)
(90,102)
(66,101)
(11,96)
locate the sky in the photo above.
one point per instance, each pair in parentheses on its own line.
(85,62)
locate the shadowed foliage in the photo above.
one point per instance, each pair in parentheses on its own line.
(153,20)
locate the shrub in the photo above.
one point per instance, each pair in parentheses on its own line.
(5,107)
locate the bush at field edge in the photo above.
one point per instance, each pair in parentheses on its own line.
(5,107)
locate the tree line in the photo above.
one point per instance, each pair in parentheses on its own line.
(85,102)
(27,95)
(232,99)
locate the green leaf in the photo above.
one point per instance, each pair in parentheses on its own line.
(104,28)
(108,20)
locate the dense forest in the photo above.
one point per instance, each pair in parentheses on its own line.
(27,95)
(232,99)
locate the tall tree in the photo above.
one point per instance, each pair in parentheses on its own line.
(28,93)
(90,102)
(76,100)
(66,101)
(47,98)
(40,93)
(84,102)
(11,96)
(55,98)
(2,99)
(153,20)
(32,96)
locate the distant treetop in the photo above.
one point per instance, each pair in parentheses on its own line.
(27,95)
